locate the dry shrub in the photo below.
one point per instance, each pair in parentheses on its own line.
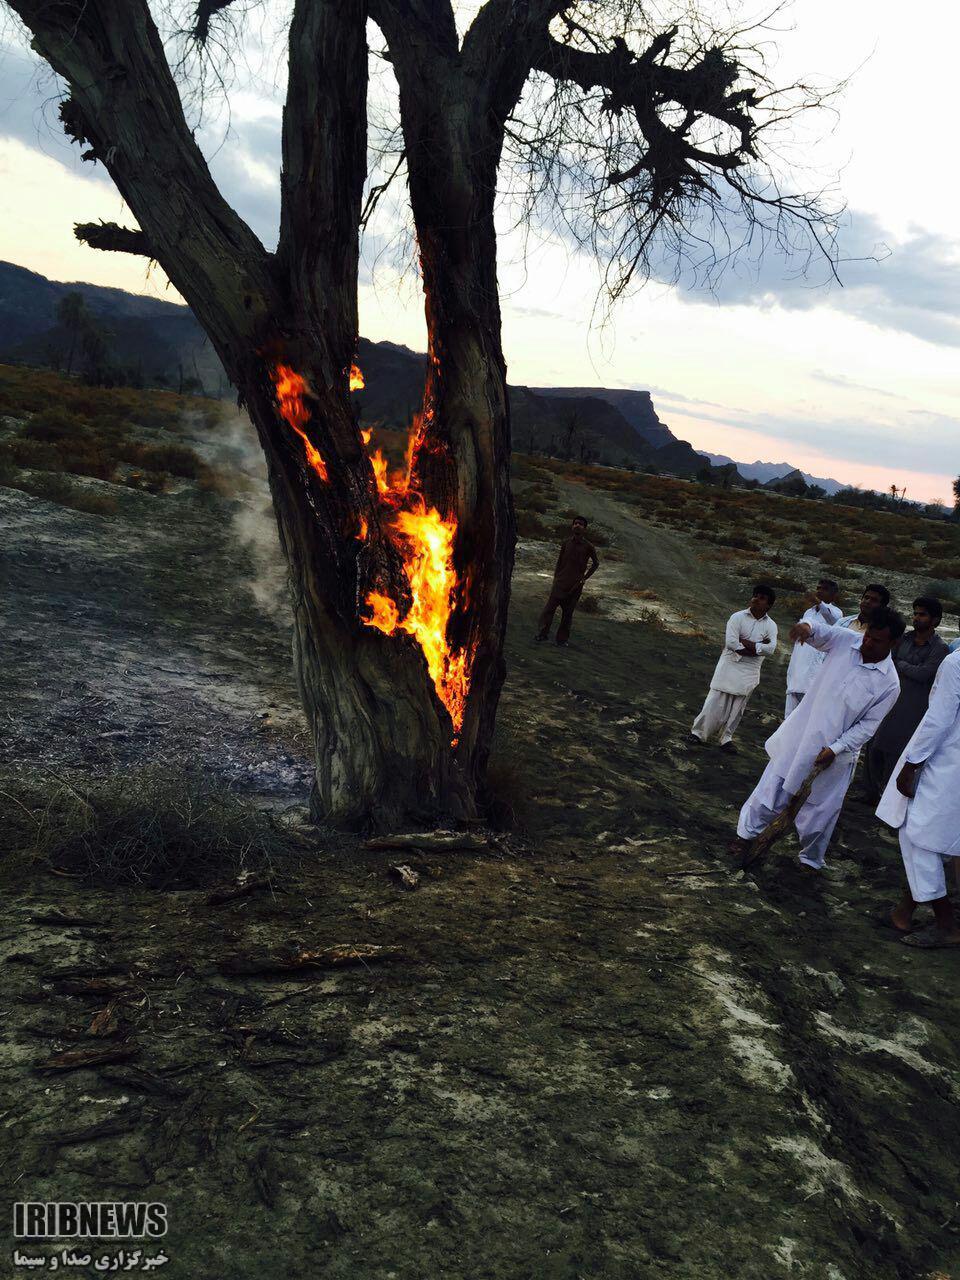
(52,486)
(156,827)
(36,454)
(650,618)
(948,593)
(521,468)
(946,568)
(529,525)
(590,603)
(146,481)
(225,482)
(25,391)
(174,459)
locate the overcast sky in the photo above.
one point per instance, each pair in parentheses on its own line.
(858,382)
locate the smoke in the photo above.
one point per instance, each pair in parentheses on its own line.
(239,472)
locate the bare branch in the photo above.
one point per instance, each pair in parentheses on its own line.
(206,9)
(108,235)
(649,148)
(375,194)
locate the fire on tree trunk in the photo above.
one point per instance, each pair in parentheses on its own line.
(374,585)
(401,584)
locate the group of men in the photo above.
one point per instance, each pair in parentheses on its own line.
(854,682)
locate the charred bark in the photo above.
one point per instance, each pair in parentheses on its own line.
(382,737)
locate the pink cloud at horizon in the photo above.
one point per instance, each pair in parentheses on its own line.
(751,446)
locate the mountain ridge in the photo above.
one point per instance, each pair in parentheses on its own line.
(162,342)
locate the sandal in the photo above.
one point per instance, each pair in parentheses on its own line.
(930,939)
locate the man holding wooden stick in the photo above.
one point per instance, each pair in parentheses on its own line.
(851,693)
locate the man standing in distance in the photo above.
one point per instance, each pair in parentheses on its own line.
(851,693)
(917,657)
(874,597)
(922,799)
(805,660)
(751,635)
(576,563)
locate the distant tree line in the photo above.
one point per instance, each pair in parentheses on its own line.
(84,348)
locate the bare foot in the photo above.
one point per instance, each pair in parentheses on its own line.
(901,918)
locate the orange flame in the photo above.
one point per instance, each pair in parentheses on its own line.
(291,389)
(426,543)
(424,539)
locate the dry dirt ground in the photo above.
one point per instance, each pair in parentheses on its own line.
(596,1054)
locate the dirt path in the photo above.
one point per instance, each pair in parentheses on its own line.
(600,1055)
(688,591)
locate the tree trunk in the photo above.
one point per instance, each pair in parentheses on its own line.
(453,149)
(393,740)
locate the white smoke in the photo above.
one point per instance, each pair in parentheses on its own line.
(233,452)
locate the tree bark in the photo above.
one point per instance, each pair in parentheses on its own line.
(453,132)
(384,741)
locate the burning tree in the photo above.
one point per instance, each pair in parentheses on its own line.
(637,137)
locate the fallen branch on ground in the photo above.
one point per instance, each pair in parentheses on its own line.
(335,957)
(79,1059)
(435,841)
(227,893)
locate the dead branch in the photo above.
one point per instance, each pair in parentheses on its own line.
(335,957)
(110,236)
(227,893)
(81,1059)
(429,841)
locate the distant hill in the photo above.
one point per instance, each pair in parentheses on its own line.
(159,339)
(162,343)
(764,472)
(635,406)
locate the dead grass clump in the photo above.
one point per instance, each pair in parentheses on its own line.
(175,459)
(53,486)
(156,827)
(650,617)
(590,603)
(529,525)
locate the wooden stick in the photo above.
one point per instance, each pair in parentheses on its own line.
(774,830)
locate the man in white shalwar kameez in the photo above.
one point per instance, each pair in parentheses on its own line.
(875,596)
(851,693)
(922,799)
(805,660)
(751,635)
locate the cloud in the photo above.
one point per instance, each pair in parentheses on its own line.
(909,284)
(848,384)
(892,443)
